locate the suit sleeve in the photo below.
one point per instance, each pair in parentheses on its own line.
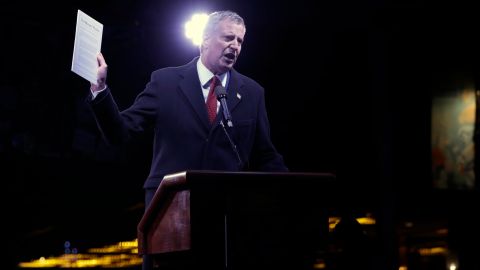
(119,127)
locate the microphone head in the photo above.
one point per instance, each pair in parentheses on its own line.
(220,92)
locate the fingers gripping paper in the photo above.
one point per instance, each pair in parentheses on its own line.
(88,42)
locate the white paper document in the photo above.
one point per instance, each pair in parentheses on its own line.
(88,42)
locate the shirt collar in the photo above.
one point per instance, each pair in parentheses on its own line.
(205,75)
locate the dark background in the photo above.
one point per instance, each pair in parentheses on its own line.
(348,87)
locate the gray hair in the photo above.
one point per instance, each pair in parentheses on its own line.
(216,17)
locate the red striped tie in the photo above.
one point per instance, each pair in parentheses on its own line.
(212,101)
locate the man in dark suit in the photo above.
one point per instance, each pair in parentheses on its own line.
(173,104)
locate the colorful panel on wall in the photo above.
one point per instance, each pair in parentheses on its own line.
(453,123)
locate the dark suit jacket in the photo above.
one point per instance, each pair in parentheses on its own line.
(172,104)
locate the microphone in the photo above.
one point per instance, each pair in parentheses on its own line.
(221,94)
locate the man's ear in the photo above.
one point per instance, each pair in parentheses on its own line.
(206,42)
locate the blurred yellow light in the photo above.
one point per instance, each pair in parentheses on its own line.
(366,220)
(194,28)
(333,221)
(432,251)
(120,255)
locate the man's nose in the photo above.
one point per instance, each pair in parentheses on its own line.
(235,45)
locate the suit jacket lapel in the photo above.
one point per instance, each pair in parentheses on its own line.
(191,88)
(234,91)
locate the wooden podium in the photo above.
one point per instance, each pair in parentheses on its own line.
(237,220)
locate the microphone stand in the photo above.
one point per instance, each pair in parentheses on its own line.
(234,147)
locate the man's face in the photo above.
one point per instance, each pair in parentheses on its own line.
(222,48)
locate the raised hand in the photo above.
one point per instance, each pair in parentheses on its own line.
(101,74)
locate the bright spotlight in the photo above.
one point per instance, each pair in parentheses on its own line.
(194,28)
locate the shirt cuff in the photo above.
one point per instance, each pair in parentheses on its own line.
(94,94)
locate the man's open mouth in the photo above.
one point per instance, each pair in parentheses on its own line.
(230,56)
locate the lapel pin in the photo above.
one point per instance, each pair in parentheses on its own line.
(239,96)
